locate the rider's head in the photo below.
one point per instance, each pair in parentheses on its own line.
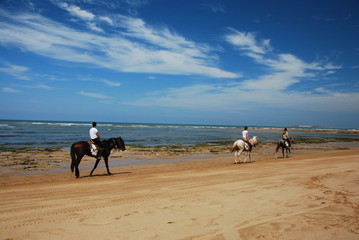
(94,124)
(245,128)
(285,129)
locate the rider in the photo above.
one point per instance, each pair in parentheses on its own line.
(245,137)
(95,136)
(285,137)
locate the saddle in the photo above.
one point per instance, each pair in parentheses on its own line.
(247,146)
(94,147)
(285,142)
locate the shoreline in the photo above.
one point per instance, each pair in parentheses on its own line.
(54,160)
(60,135)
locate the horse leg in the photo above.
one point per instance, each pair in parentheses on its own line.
(77,171)
(283,152)
(287,151)
(97,161)
(276,151)
(238,154)
(75,160)
(236,157)
(106,163)
(248,156)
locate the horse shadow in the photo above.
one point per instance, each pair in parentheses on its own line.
(104,175)
(243,163)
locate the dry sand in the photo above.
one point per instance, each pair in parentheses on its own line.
(313,194)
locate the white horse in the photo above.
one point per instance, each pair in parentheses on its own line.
(239,146)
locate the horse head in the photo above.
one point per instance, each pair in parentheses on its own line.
(255,140)
(120,143)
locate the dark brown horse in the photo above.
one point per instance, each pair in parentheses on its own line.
(283,145)
(80,149)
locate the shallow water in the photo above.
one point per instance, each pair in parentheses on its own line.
(20,134)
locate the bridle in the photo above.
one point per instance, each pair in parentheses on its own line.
(114,142)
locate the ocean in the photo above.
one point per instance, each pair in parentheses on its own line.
(52,134)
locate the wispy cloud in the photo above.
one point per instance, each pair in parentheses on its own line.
(77,11)
(136,46)
(110,83)
(233,97)
(216,7)
(275,88)
(93,95)
(38,86)
(246,41)
(284,69)
(9,90)
(19,72)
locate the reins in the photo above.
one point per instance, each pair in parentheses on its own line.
(114,142)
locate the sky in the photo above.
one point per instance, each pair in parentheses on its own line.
(211,62)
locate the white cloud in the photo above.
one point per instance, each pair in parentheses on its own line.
(9,90)
(19,72)
(235,97)
(106,19)
(77,11)
(137,48)
(42,86)
(246,41)
(270,90)
(283,69)
(110,83)
(216,7)
(93,95)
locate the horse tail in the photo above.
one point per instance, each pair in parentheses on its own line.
(234,147)
(73,157)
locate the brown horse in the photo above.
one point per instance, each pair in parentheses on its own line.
(281,144)
(80,149)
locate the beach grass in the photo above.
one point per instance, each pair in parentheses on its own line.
(30,149)
(214,147)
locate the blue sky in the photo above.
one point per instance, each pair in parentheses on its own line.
(245,62)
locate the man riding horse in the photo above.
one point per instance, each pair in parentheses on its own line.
(285,137)
(245,138)
(95,137)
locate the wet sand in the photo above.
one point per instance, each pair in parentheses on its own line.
(313,194)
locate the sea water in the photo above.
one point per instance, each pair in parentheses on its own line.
(20,134)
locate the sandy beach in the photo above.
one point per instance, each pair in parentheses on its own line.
(313,194)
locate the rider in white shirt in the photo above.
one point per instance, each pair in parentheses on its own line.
(95,136)
(245,136)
